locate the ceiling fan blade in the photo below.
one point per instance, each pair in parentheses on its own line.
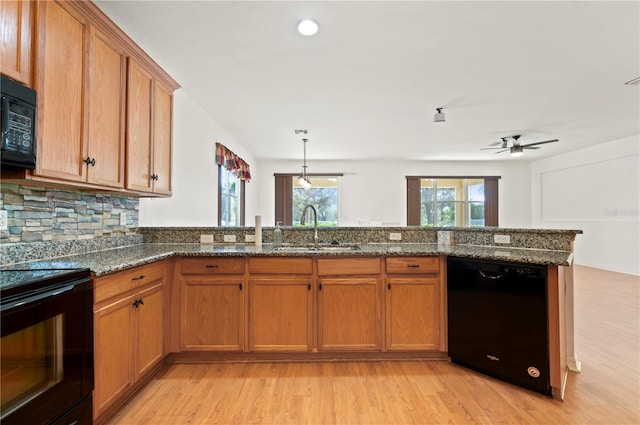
(529,147)
(542,143)
(504,150)
(487,149)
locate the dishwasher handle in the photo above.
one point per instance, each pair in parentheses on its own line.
(491,276)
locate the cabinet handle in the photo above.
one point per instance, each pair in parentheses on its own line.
(389,286)
(211,266)
(137,303)
(154,177)
(240,286)
(320,287)
(413,266)
(138,278)
(140,302)
(309,287)
(90,161)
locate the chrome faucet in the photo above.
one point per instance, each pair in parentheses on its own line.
(315,222)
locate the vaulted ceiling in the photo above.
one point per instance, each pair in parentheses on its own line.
(367,84)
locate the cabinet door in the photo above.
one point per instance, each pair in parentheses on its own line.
(162,114)
(148,330)
(413,313)
(348,314)
(60,79)
(112,353)
(213,314)
(138,139)
(106,105)
(280,314)
(16,26)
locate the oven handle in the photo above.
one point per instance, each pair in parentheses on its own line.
(5,114)
(51,293)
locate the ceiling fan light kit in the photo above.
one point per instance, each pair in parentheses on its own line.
(303,179)
(516,149)
(439,115)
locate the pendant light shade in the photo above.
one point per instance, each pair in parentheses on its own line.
(303,180)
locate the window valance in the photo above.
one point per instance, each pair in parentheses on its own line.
(232,162)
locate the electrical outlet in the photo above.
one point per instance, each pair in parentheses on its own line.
(206,239)
(444,237)
(502,239)
(249,238)
(123,219)
(4,220)
(395,236)
(229,238)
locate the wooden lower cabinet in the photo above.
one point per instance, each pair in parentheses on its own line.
(348,314)
(349,304)
(128,332)
(280,314)
(414,311)
(213,316)
(212,304)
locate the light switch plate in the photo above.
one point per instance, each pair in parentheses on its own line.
(506,239)
(4,220)
(206,239)
(229,238)
(395,236)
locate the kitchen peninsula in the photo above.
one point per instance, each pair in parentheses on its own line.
(355,296)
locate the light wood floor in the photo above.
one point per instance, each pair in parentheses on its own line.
(432,392)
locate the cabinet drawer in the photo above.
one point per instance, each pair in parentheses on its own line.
(338,266)
(281,265)
(413,265)
(212,265)
(121,282)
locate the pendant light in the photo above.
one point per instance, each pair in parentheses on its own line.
(303,180)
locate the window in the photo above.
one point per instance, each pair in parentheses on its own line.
(291,198)
(230,199)
(233,172)
(452,201)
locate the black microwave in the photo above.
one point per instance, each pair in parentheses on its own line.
(18,126)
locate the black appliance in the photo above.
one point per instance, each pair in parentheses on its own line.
(46,349)
(18,124)
(497,320)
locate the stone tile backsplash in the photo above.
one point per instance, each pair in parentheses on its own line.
(38,214)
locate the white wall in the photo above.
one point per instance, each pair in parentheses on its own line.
(195,173)
(375,191)
(597,190)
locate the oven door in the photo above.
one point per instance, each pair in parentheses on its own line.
(46,353)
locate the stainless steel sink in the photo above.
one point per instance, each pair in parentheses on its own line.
(326,248)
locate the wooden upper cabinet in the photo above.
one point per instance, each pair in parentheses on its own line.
(61,70)
(102,124)
(162,128)
(149,115)
(139,137)
(16,27)
(106,111)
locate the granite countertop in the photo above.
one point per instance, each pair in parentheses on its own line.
(117,259)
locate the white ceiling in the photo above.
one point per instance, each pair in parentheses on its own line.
(367,85)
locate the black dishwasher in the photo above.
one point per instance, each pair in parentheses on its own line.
(497,320)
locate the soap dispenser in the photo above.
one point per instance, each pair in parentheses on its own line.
(277,235)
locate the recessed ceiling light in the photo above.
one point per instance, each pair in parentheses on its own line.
(308,27)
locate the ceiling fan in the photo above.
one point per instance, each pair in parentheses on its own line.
(516,148)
